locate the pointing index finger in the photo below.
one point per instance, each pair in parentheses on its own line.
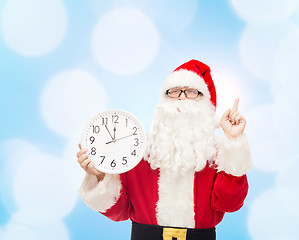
(235,107)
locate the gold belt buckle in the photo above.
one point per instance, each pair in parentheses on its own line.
(178,233)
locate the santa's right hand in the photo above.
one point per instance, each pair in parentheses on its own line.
(88,165)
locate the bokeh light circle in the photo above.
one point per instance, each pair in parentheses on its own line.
(34,27)
(268,220)
(14,151)
(1,233)
(287,57)
(18,230)
(257,11)
(40,182)
(180,14)
(258,47)
(70,99)
(266,143)
(227,88)
(125,41)
(36,216)
(286,117)
(287,182)
(73,172)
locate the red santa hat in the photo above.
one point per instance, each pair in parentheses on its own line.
(193,74)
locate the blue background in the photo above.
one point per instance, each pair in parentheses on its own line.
(259,68)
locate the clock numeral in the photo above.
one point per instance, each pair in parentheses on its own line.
(92,139)
(125,161)
(133,153)
(104,121)
(115,119)
(136,142)
(95,129)
(135,131)
(103,158)
(126,122)
(93,151)
(113,164)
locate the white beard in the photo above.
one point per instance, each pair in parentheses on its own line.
(182,137)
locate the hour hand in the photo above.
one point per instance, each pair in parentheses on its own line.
(109,132)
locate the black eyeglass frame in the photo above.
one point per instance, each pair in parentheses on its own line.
(184,91)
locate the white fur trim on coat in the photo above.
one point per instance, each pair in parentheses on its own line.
(100,196)
(233,155)
(175,206)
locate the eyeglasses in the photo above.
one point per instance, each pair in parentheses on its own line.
(190,93)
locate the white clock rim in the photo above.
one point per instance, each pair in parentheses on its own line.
(142,131)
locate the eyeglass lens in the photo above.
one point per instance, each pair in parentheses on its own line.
(189,93)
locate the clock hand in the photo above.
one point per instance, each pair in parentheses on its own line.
(109,132)
(119,139)
(114,129)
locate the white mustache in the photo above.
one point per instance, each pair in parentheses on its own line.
(176,107)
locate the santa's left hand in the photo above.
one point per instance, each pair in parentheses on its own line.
(232,122)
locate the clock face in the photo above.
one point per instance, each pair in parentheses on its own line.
(116,141)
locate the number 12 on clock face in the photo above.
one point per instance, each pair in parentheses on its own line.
(116,141)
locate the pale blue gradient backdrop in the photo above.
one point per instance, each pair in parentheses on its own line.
(63,61)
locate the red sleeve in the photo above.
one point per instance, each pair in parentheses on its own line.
(229,192)
(120,211)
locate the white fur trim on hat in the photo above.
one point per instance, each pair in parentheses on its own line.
(100,196)
(233,155)
(185,78)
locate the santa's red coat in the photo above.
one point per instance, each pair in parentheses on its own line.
(214,194)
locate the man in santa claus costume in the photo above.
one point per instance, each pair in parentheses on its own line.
(189,177)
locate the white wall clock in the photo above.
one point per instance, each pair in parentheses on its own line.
(116,141)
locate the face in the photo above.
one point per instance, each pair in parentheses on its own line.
(183,93)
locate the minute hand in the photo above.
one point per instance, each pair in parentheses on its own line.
(120,138)
(109,132)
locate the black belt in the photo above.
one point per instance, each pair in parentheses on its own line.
(153,232)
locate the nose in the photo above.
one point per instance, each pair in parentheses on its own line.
(182,97)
